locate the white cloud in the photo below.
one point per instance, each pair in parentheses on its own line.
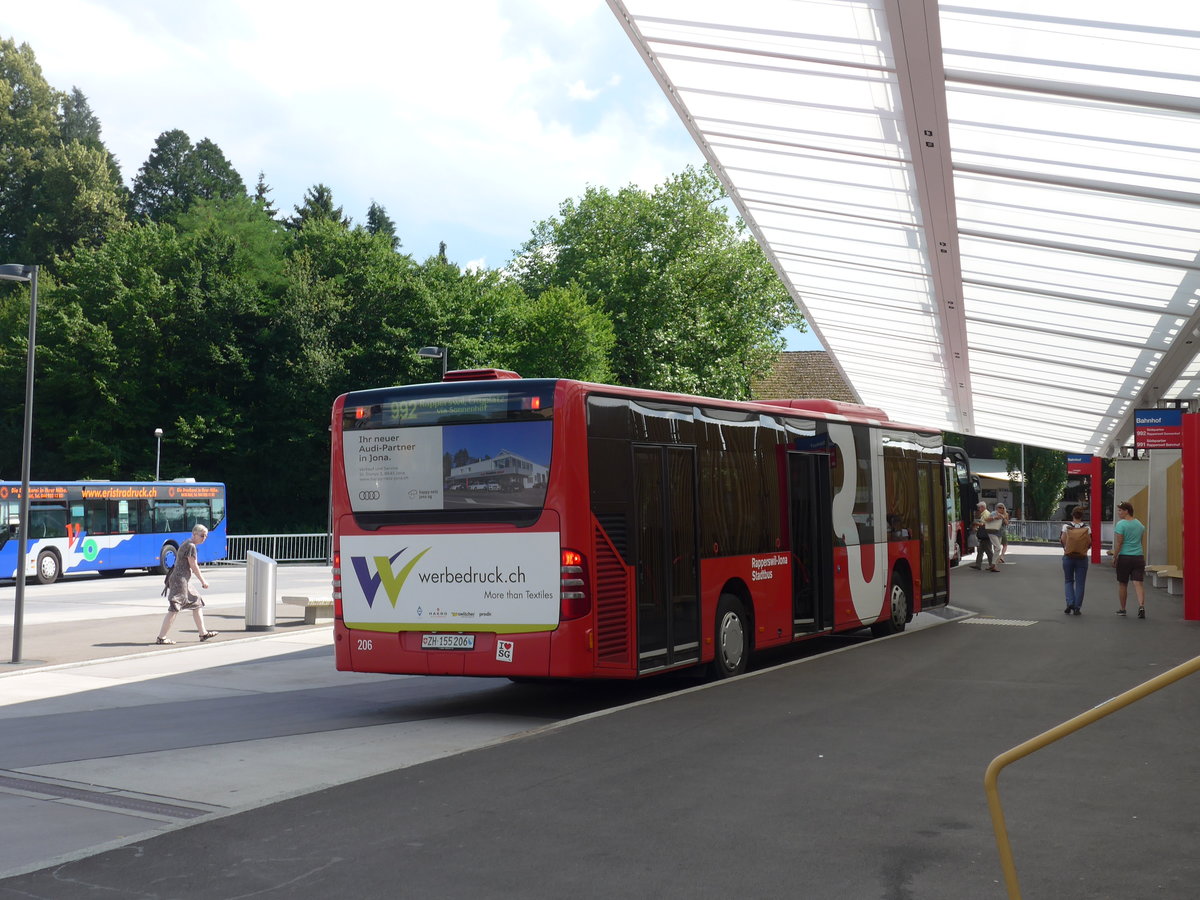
(452,116)
(578,90)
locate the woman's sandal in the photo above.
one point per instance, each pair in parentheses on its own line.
(209,634)
(163,641)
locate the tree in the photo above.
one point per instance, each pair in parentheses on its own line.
(177,174)
(262,192)
(318,205)
(29,127)
(78,199)
(158,188)
(208,175)
(694,303)
(77,122)
(561,335)
(1045,477)
(378,222)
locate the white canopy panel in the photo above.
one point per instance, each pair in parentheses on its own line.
(989,212)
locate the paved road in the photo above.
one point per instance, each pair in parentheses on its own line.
(853,774)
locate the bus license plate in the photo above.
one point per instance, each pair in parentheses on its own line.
(447,642)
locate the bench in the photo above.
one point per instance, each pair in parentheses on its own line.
(1174,580)
(1160,574)
(314,607)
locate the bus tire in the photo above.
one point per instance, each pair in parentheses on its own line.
(48,567)
(731,638)
(166,559)
(899,607)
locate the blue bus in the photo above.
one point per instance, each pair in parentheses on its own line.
(108,526)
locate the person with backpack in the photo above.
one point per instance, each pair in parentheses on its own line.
(1076,540)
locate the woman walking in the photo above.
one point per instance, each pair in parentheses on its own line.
(1002,537)
(1129,558)
(179,593)
(1076,540)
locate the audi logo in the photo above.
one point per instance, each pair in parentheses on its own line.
(368,495)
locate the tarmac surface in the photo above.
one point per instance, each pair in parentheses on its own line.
(246,766)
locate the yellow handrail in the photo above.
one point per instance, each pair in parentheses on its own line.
(1108,707)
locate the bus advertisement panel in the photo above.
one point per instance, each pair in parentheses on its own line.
(493,525)
(108,526)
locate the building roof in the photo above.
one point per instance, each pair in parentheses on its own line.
(803,374)
(1002,198)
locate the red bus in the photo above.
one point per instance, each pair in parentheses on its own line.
(961,496)
(548,528)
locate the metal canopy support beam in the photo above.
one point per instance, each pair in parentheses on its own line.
(916,46)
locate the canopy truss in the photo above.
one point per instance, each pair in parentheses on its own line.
(989,212)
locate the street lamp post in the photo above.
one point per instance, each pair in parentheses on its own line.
(157,451)
(442,353)
(17,272)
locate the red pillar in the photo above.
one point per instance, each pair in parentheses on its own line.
(1095,503)
(1191,516)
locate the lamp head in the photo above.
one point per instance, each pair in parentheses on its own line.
(15,272)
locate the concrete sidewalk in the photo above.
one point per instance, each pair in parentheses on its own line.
(854,774)
(87,618)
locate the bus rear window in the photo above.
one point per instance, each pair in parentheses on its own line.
(486,452)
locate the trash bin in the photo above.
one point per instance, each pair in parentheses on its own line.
(260,592)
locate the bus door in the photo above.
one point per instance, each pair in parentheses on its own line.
(668,596)
(810,511)
(935,564)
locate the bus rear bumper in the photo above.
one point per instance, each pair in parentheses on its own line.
(493,655)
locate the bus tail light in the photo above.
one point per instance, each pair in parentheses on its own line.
(575,602)
(337,585)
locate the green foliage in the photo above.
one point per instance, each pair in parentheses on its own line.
(694,304)
(233,332)
(262,198)
(58,184)
(378,222)
(78,199)
(178,174)
(1045,477)
(317,206)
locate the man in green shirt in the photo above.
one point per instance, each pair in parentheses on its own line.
(1129,558)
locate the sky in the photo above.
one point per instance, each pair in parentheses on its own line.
(468,121)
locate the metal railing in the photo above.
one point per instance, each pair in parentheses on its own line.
(1021,530)
(991,777)
(284,548)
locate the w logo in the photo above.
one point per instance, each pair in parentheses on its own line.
(391,580)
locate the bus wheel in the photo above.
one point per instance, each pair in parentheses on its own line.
(166,557)
(898,604)
(732,638)
(48,567)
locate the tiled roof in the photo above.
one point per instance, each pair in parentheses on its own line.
(803,374)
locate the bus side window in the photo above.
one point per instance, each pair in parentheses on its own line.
(96,516)
(145,517)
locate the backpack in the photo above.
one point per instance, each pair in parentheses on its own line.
(1078,541)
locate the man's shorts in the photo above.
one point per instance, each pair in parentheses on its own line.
(1131,568)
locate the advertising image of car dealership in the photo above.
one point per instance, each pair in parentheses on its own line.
(504,472)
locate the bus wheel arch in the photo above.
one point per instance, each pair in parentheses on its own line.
(899,603)
(166,558)
(733,632)
(49,567)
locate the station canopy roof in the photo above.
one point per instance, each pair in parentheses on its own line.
(988,211)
